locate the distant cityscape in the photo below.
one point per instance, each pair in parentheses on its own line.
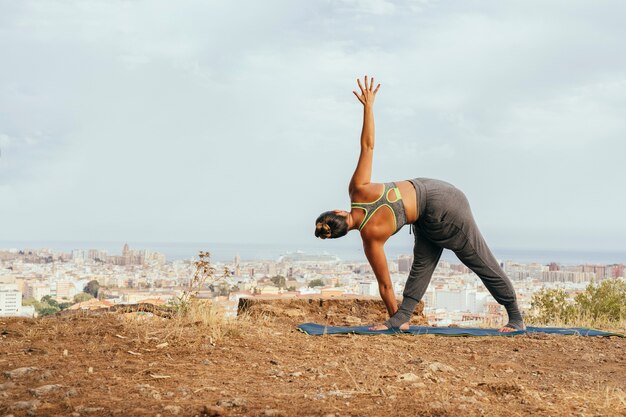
(32,278)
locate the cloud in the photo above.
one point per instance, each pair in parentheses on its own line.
(232,121)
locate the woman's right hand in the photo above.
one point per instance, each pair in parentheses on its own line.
(368,94)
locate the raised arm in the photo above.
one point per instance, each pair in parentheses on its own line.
(363,173)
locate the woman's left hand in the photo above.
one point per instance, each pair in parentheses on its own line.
(368,94)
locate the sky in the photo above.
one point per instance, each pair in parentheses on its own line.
(222,121)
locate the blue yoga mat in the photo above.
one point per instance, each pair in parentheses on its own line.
(314,329)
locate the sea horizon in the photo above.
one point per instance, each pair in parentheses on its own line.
(226,252)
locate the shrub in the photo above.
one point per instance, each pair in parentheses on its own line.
(602,304)
(605,301)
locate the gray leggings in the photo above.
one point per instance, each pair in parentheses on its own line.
(445,221)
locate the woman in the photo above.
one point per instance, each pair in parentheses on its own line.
(440,216)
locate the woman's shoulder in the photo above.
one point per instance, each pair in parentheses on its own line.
(367,192)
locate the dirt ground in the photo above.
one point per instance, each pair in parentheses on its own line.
(260,365)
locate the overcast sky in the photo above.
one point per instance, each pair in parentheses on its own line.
(235,121)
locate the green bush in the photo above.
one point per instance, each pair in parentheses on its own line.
(599,304)
(549,305)
(605,301)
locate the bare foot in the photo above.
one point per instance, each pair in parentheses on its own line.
(405,326)
(506,329)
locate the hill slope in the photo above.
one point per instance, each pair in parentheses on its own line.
(112,365)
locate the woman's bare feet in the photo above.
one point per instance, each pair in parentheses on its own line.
(507,329)
(405,326)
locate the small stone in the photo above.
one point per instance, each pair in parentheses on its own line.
(231,403)
(212,411)
(26,405)
(45,389)
(440,367)
(270,412)
(45,375)
(20,372)
(65,352)
(90,410)
(71,393)
(296,374)
(6,385)
(162,345)
(173,409)
(408,377)
(90,370)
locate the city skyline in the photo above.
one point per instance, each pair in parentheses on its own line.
(211,121)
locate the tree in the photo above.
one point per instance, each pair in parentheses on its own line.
(92,288)
(81,297)
(47,299)
(279,281)
(46,310)
(316,283)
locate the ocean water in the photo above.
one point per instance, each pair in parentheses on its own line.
(226,252)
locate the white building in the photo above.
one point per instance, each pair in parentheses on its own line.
(10,300)
(456,299)
(37,290)
(368,288)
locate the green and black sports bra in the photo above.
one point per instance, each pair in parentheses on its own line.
(396,206)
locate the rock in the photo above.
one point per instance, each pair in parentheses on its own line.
(296,374)
(270,412)
(231,403)
(439,367)
(409,377)
(45,375)
(90,410)
(6,386)
(173,409)
(71,393)
(26,405)
(45,389)
(211,411)
(20,372)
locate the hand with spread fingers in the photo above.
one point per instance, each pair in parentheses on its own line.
(368,93)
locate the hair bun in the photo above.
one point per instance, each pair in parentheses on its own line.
(322,230)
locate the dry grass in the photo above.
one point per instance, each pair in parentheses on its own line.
(582,320)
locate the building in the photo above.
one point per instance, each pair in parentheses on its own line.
(10,300)
(404,263)
(65,290)
(457,299)
(37,290)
